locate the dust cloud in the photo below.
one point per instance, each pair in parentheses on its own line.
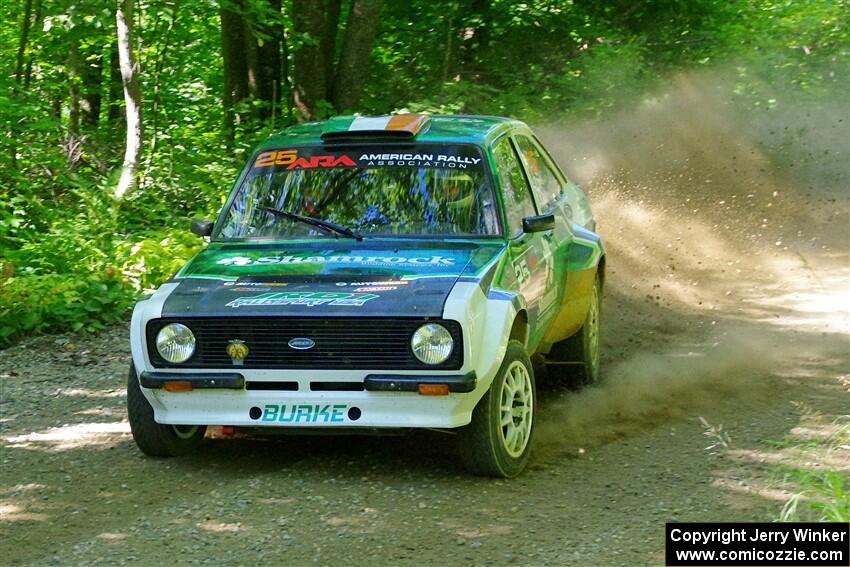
(650,388)
(726,228)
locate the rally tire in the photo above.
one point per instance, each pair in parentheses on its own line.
(582,349)
(156,439)
(488,445)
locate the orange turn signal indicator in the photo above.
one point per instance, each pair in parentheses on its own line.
(178,386)
(433,389)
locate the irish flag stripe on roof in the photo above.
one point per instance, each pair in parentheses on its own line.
(409,122)
(373,123)
(398,122)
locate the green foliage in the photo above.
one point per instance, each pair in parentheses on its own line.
(824,496)
(535,60)
(791,47)
(149,259)
(98,279)
(595,80)
(59,302)
(821,494)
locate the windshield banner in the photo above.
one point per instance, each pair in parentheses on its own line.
(428,156)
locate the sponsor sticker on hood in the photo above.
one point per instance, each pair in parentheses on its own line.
(370,263)
(226,280)
(308,298)
(348,259)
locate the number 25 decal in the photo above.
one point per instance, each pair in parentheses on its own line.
(290,159)
(522,271)
(283,157)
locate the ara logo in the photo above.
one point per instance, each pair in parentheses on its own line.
(301,343)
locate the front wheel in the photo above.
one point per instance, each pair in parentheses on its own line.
(497,441)
(157,439)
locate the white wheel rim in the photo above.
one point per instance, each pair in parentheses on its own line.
(184,431)
(593,330)
(517,409)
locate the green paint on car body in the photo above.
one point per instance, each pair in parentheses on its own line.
(538,269)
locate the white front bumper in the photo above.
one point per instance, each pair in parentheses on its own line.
(310,409)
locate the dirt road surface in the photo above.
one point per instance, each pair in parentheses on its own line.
(725,333)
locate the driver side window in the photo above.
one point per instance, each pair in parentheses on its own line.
(544,183)
(515,190)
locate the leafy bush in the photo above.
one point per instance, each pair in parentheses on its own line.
(101,276)
(59,302)
(147,260)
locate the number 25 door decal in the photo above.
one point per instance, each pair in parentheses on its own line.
(521,270)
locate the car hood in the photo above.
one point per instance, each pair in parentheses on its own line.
(401,279)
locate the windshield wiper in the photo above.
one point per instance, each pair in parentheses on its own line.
(325,225)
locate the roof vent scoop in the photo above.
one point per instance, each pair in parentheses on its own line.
(395,126)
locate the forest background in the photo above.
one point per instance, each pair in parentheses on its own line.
(121,120)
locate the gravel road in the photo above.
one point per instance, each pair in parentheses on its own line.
(725,331)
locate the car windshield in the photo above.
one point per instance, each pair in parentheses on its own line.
(409,189)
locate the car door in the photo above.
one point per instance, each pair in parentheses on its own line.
(530,262)
(550,197)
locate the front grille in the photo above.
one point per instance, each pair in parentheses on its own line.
(341,343)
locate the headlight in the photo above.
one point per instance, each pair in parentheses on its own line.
(432,343)
(175,342)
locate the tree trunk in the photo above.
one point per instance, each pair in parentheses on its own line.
(19,70)
(310,65)
(286,73)
(116,87)
(328,41)
(447,56)
(353,68)
(269,60)
(22,43)
(249,52)
(233,44)
(72,142)
(56,105)
(35,24)
(91,78)
(132,97)
(475,39)
(168,13)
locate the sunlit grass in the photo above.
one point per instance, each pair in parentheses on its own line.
(821,493)
(825,495)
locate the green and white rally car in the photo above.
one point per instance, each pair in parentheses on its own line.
(377,272)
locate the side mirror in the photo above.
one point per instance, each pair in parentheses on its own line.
(540,223)
(201,227)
